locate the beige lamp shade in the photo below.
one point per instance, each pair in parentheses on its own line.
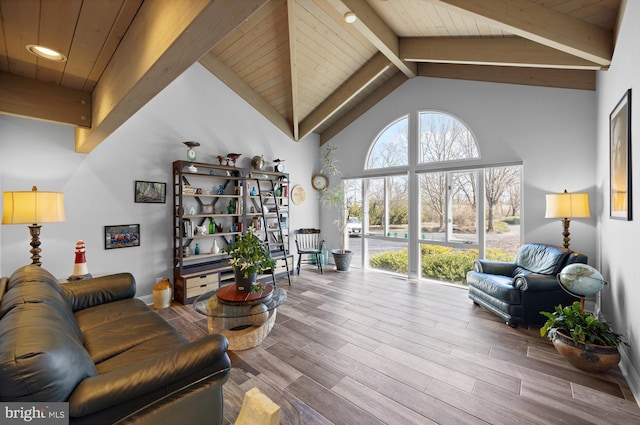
(33,207)
(567,205)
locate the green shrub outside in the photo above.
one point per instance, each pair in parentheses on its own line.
(438,262)
(511,220)
(393,261)
(500,227)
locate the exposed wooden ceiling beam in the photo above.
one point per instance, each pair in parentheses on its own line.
(347,91)
(235,83)
(29,98)
(362,107)
(165,38)
(559,78)
(371,26)
(542,25)
(511,51)
(291,19)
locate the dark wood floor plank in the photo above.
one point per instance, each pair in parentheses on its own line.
(345,365)
(325,376)
(370,348)
(334,407)
(380,406)
(388,367)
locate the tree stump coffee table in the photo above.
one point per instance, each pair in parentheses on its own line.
(245,319)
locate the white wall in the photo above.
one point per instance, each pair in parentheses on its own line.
(99,187)
(618,245)
(551,130)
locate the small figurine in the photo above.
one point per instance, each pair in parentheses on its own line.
(231,208)
(80,270)
(219,227)
(233,157)
(221,190)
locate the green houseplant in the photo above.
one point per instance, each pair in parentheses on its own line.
(334,197)
(586,342)
(249,256)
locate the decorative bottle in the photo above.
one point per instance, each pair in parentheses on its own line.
(197,250)
(325,254)
(212,227)
(214,248)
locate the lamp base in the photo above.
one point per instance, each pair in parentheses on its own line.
(34,230)
(565,232)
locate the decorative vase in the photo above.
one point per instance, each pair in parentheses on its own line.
(215,249)
(244,284)
(587,357)
(342,259)
(162,294)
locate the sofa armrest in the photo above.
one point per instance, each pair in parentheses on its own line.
(494,267)
(100,290)
(158,373)
(536,282)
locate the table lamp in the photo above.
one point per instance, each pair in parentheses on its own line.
(33,208)
(567,206)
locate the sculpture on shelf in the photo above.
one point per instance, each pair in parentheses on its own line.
(257,162)
(231,208)
(80,269)
(233,157)
(221,190)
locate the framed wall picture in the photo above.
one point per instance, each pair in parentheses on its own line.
(150,192)
(620,159)
(121,236)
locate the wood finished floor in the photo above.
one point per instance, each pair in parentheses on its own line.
(370,348)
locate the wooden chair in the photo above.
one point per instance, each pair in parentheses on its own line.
(308,242)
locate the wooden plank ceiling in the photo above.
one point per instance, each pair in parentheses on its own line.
(296,61)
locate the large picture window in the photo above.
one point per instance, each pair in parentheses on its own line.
(430,215)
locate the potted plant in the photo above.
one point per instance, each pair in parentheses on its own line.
(334,196)
(249,256)
(587,343)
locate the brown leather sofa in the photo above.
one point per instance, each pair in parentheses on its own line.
(92,344)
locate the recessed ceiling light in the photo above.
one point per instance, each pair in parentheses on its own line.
(46,53)
(350,17)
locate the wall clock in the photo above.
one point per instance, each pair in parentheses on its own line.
(298,194)
(319,181)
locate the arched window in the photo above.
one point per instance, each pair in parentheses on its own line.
(391,147)
(414,206)
(445,138)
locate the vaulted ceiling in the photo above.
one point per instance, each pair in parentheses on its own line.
(296,61)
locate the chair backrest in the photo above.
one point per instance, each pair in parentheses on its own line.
(542,259)
(307,239)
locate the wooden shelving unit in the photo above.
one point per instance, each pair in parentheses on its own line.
(212,204)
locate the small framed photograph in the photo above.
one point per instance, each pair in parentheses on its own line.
(150,192)
(620,159)
(121,236)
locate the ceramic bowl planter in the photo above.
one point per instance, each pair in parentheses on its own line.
(585,342)
(587,357)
